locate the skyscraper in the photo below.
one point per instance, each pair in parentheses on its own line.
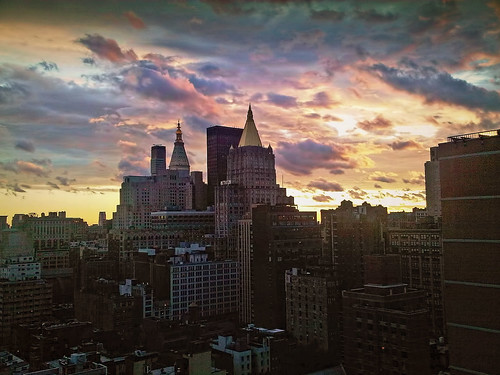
(219,140)
(179,160)
(470,199)
(251,180)
(158,160)
(432,186)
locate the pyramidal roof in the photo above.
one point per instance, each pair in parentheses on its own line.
(179,159)
(250,135)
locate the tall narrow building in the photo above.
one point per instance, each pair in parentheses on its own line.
(251,180)
(432,185)
(158,160)
(219,140)
(470,203)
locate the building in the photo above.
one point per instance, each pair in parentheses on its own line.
(385,323)
(164,189)
(12,365)
(158,160)
(349,233)
(213,286)
(432,184)
(251,180)
(421,253)
(219,140)
(470,204)
(75,364)
(312,308)
(283,238)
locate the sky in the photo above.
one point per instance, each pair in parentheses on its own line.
(350,94)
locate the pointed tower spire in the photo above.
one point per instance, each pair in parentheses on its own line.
(250,135)
(179,160)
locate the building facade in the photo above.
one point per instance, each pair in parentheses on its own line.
(470,200)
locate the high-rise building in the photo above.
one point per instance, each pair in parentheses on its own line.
(251,180)
(219,140)
(179,160)
(283,238)
(470,203)
(312,308)
(158,160)
(349,233)
(421,255)
(102,219)
(432,185)
(385,323)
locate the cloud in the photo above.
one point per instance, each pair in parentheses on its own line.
(130,147)
(134,20)
(130,166)
(65,181)
(322,198)
(327,15)
(357,193)
(283,101)
(106,48)
(47,66)
(383,177)
(24,145)
(53,185)
(416,178)
(302,158)
(321,99)
(33,167)
(88,61)
(405,145)
(436,86)
(378,125)
(211,86)
(324,185)
(372,15)
(16,188)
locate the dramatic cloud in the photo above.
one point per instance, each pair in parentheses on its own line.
(379,125)
(303,157)
(384,177)
(45,65)
(107,48)
(405,145)
(436,86)
(134,20)
(321,99)
(24,145)
(322,198)
(322,184)
(284,101)
(416,178)
(357,193)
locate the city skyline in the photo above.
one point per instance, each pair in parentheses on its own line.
(350,95)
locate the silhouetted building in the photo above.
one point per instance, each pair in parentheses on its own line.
(432,184)
(219,140)
(158,160)
(312,309)
(385,324)
(421,254)
(283,238)
(470,202)
(251,180)
(348,234)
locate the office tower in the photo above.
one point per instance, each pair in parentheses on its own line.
(385,324)
(421,254)
(470,203)
(283,238)
(102,219)
(349,233)
(432,185)
(158,160)
(173,190)
(251,180)
(312,308)
(219,140)
(179,160)
(3,223)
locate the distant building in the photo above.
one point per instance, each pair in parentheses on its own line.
(349,233)
(219,140)
(422,265)
(283,238)
(158,160)
(470,203)
(11,364)
(102,219)
(251,180)
(432,184)
(76,364)
(312,308)
(385,323)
